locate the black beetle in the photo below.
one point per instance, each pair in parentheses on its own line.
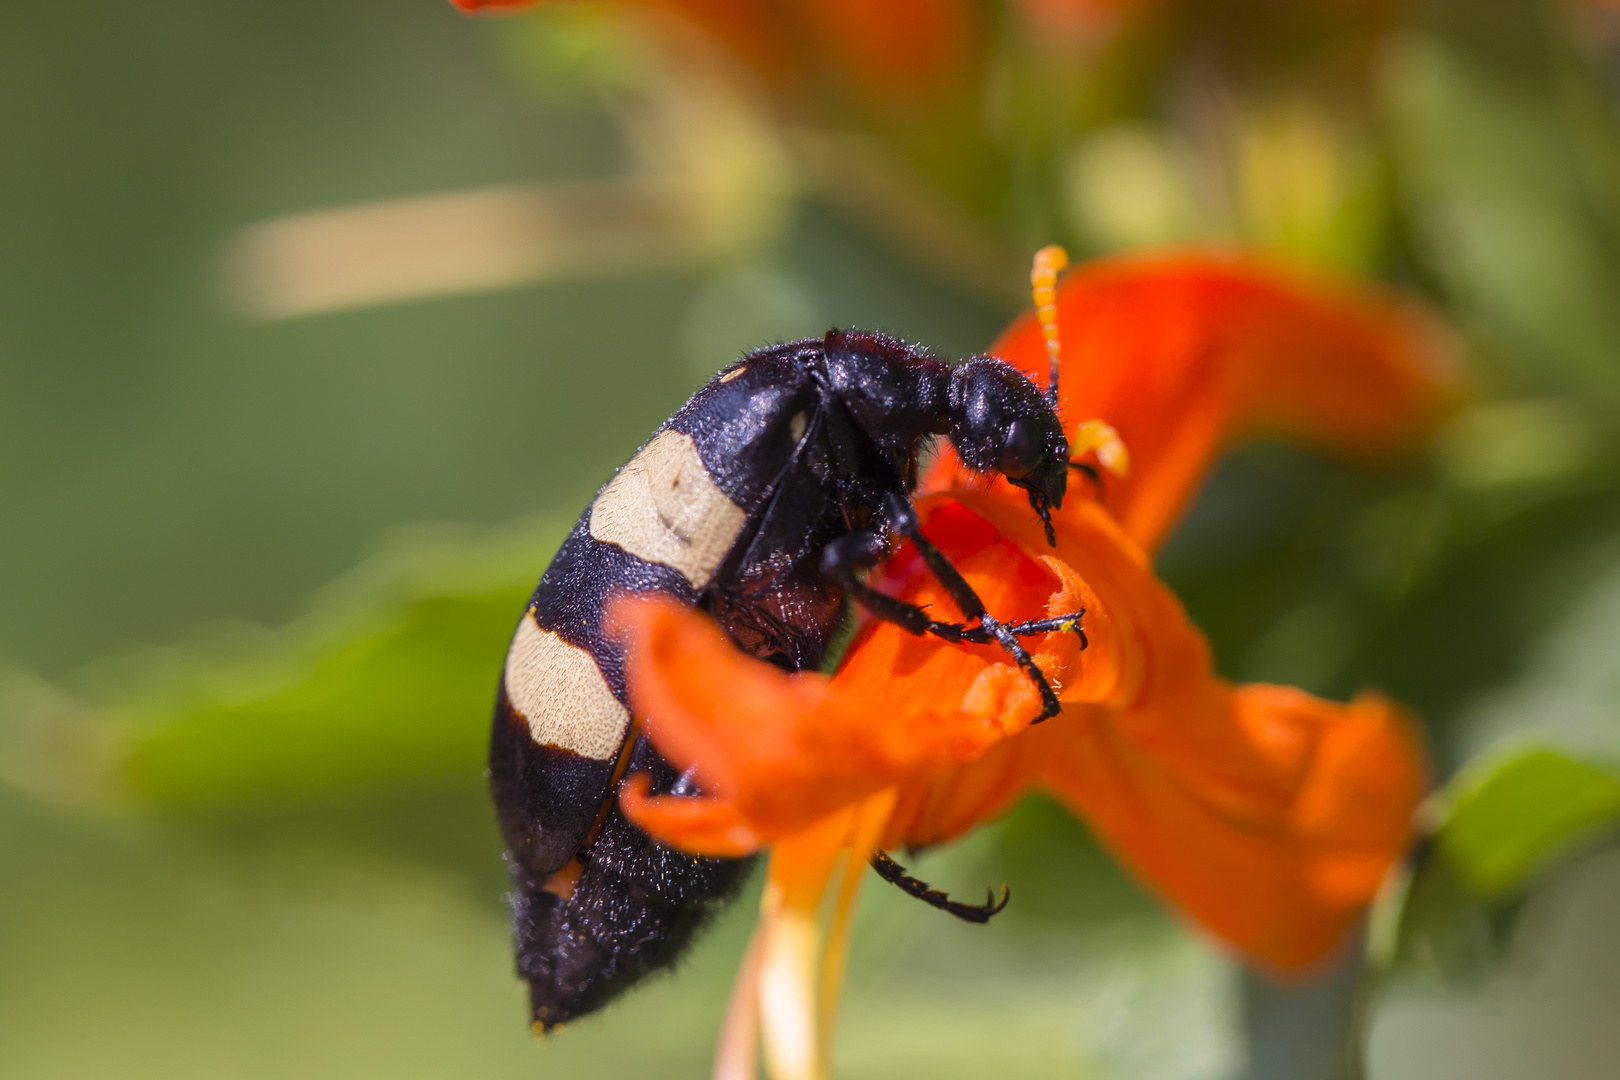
(760,502)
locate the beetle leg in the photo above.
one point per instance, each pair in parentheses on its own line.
(896,875)
(863,550)
(1050,706)
(903,517)
(1057,625)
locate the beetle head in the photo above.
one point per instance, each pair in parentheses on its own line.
(1000,422)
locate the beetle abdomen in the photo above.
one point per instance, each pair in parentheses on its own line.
(665,523)
(634,907)
(598,904)
(561,716)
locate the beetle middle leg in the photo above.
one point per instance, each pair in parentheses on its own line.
(856,551)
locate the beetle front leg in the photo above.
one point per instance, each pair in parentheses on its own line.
(1062,624)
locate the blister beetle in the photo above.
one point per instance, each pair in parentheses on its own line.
(761,502)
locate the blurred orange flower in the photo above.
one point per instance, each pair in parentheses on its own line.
(897,50)
(1265,814)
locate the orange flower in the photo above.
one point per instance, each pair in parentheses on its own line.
(1265,814)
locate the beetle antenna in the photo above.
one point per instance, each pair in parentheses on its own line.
(1049,261)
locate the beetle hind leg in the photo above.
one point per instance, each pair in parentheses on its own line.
(896,875)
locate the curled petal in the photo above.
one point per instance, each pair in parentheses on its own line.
(1265,814)
(1141,644)
(889,671)
(706,826)
(940,805)
(774,752)
(1276,840)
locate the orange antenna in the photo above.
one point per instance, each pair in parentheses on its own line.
(1049,261)
(1093,436)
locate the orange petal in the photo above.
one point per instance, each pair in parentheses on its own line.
(1266,815)
(705,826)
(773,752)
(1143,647)
(896,50)
(1272,823)
(1142,644)
(889,671)
(942,804)
(1183,354)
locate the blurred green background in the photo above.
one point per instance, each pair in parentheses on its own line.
(260,549)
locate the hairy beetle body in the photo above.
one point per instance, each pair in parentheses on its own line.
(758,502)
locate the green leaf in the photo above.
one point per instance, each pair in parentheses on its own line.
(1510,817)
(1444,931)
(388,678)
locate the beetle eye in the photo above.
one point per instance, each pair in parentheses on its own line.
(1022,450)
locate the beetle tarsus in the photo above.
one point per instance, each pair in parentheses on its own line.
(1055,625)
(896,875)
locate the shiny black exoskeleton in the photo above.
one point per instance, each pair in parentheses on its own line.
(760,502)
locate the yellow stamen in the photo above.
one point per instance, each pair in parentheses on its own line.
(1096,436)
(871,816)
(801,865)
(787,989)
